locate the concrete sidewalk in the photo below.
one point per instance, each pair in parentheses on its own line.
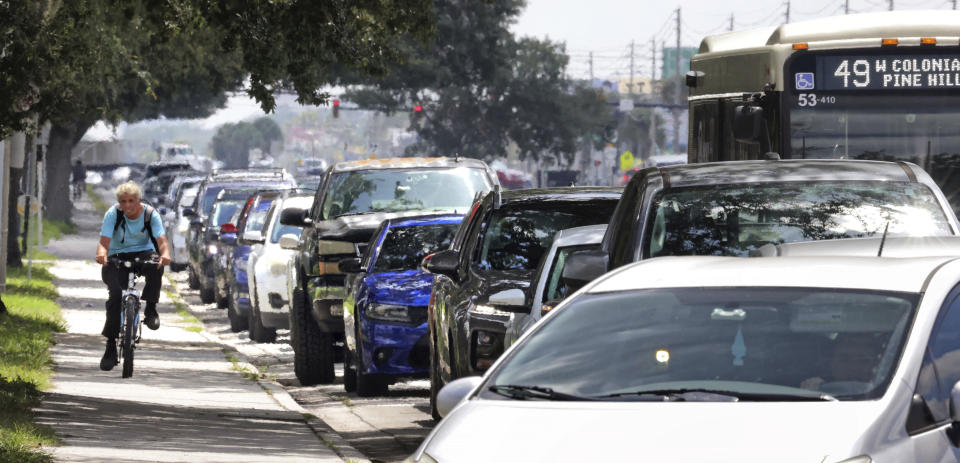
(184,403)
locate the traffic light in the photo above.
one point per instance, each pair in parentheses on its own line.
(336,109)
(417,113)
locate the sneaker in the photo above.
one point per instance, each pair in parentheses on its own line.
(151,317)
(109,359)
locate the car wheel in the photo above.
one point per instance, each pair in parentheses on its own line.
(206,295)
(367,385)
(192,281)
(258,332)
(435,381)
(237,322)
(312,348)
(349,372)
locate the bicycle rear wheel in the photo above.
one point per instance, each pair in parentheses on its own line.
(129,334)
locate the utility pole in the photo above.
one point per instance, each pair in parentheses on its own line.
(846,6)
(591,68)
(653,61)
(731,23)
(786,16)
(630,85)
(891,5)
(678,88)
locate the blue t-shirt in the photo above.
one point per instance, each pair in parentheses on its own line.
(131,237)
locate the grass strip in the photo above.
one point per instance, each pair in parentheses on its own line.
(97,201)
(26,334)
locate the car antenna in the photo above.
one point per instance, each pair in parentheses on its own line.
(883,239)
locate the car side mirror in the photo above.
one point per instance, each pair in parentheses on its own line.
(251,237)
(189,212)
(289,241)
(445,262)
(583,267)
(450,395)
(295,217)
(350,265)
(509,300)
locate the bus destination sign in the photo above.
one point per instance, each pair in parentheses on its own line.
(884,72)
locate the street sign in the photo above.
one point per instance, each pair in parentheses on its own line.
(22,205)
(626,161)
(626,105)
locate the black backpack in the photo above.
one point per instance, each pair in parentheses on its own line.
(148,213)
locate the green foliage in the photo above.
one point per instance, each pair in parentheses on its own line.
(26,334)
(269,131)
(232,144)
(98,204)
(482,89)
(307,44)
(40,284)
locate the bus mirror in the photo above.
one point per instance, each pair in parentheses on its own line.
(750,127)
(694,78)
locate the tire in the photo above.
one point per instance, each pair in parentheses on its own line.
(206,294)
(349,374)
(192,281)
(129,332)
(237,323)
(367,385)
(258,332)
(435,381)
(312,348)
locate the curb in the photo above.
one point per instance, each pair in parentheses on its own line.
(276,391)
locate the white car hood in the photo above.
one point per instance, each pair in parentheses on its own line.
(807,432)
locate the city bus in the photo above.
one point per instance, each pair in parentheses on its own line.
(882,86)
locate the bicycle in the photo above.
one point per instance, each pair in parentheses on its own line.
(131,324)
(78,188)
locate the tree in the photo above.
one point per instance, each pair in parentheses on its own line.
(232,144)
(481,88)
(269,131)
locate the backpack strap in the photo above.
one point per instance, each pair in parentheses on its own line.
(148,214)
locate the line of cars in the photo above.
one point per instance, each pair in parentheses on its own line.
(424,267)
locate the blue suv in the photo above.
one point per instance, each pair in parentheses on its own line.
(385,308)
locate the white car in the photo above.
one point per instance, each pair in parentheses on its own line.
(548,289)
(177,225)
(693,359)
(269,270)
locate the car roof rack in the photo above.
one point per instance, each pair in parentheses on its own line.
(259,172)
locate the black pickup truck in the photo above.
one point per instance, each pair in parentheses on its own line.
(352,201)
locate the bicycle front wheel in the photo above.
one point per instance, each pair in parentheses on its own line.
(129,334)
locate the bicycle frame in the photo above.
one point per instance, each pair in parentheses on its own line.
(131,324)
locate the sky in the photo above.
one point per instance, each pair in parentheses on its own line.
(606,27)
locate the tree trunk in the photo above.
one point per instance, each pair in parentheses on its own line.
(57,200)
(13,218)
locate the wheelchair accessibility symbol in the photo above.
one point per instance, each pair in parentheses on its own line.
(804,81)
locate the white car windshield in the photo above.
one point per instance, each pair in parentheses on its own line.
(743,342)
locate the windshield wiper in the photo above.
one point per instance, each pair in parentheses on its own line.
(516,391)
(677,395)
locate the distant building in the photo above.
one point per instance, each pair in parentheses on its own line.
(669,62)
(640,85)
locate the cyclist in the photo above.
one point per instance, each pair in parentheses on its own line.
(79,178)
(130,230)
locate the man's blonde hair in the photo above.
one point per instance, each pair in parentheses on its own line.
(129,188)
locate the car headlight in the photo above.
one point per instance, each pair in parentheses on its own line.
(212,249)
(388,312)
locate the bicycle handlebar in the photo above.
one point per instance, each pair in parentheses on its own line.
(126,263)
